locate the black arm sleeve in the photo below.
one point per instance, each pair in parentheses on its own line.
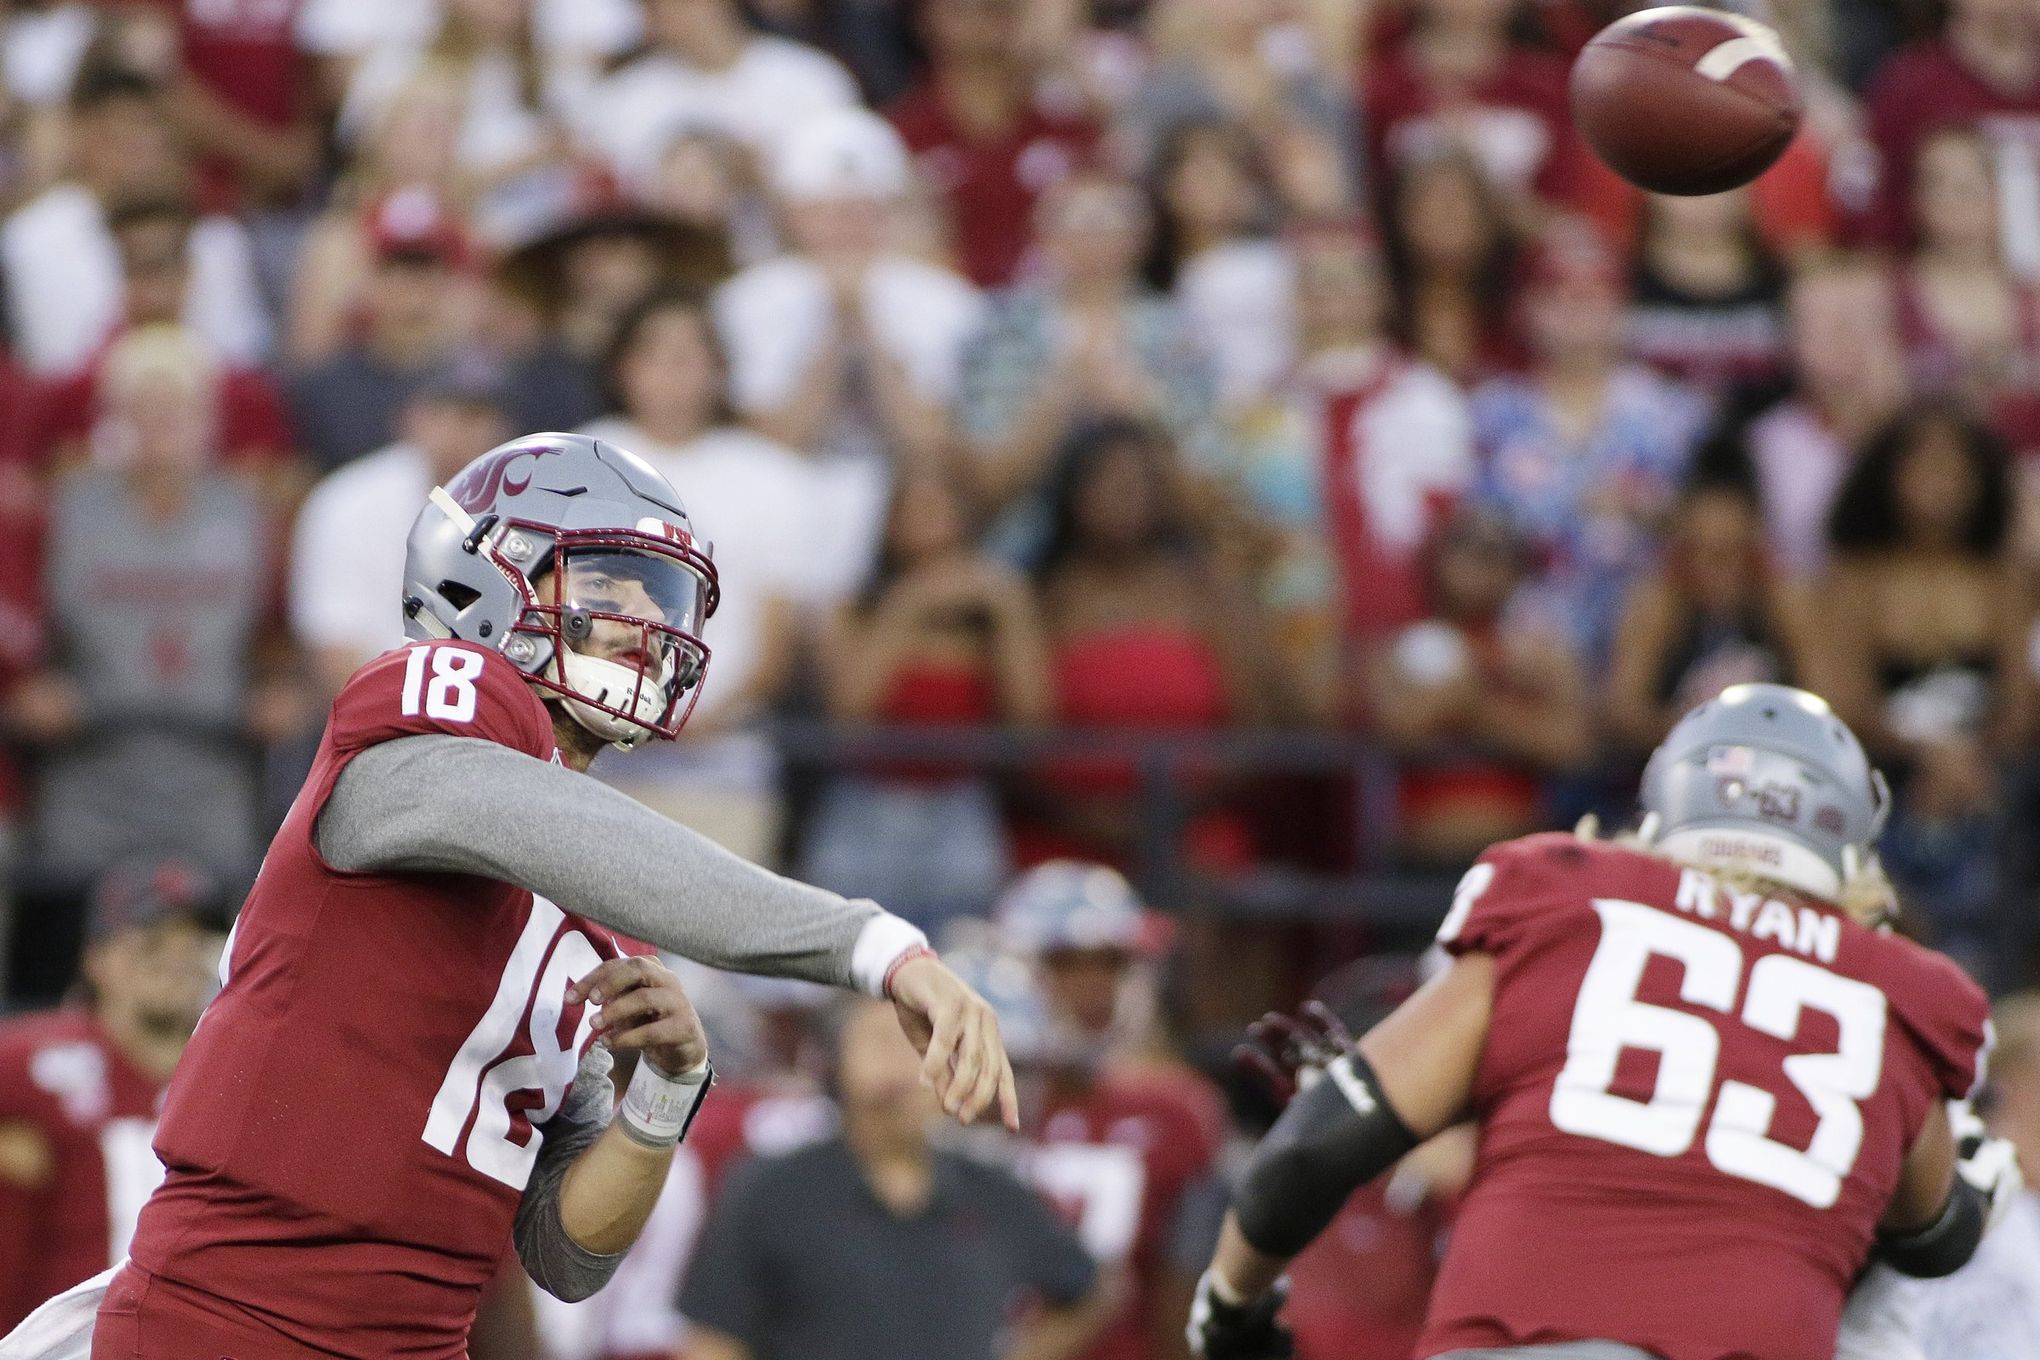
(1333,1138)
(1943,1246)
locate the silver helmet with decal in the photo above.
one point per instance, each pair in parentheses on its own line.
(1765,779)
(575,560)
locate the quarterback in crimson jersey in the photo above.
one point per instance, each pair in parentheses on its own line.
(1705,1092)
(80,1087)
(402,1067)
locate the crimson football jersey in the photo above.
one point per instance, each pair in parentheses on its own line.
(93,1113)
(350,1131)
(1694,1103)
(1118,1158)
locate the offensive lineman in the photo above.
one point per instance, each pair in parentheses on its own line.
(1705,1093)
(392,1082)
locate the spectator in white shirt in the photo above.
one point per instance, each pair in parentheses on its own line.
(760,507)
(342,33)
(704,68)
(756,501)
(848,347)
(62,266)
(347,552)
(516,94)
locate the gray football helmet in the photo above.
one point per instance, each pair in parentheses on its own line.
(575,560)
(1767,779)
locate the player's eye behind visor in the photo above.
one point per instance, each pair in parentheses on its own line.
(637,584)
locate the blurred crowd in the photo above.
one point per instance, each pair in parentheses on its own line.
(1165,367)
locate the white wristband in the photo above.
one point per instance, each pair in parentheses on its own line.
(656,1108)
(883,939)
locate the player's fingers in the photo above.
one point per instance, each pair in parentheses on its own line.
(1287,1029)
(1265,1070)
(991,1063)
(1318,1017)
(670,1035)
(1299,1044)
(634,1008)
(970,1065)
(1009,1094)
(614,977)
(947,1030)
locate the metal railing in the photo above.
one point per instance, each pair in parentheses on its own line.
(1169,767)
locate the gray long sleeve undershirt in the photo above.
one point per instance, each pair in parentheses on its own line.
(435,803)
(557,1263)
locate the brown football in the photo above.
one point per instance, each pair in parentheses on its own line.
(1683,100)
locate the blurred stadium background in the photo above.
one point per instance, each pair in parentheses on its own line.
(1250,444)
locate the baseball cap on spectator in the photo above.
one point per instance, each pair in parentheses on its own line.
(843,153)
(137,894)
(413,226)
(1074,906)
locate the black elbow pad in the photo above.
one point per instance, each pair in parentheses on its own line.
(1943,1246)
(1333,1138)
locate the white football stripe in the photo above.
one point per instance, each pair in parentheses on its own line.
(1725,59)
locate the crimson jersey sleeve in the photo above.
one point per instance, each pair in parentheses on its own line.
(1948,1018)
(444,687)
(1499,896)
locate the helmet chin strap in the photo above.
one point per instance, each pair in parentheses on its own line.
(591,678)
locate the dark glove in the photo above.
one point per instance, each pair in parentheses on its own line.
(1286,1053)
(1239,1331)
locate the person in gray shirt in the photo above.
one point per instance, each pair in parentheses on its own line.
(874,1245)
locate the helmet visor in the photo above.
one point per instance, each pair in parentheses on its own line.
(639,612)
(620,583)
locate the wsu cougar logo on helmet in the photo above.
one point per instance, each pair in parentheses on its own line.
(475,489)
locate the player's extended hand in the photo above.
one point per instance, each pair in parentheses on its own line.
(1239,1331)
(1286,1053)
(962,1056)
(643,1008)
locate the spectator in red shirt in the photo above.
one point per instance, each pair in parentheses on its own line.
(1459,77)
(987,133)
(240,93)
(1481,704)
(1983,69)
(152,235)
(1347,468)
(1969,327)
